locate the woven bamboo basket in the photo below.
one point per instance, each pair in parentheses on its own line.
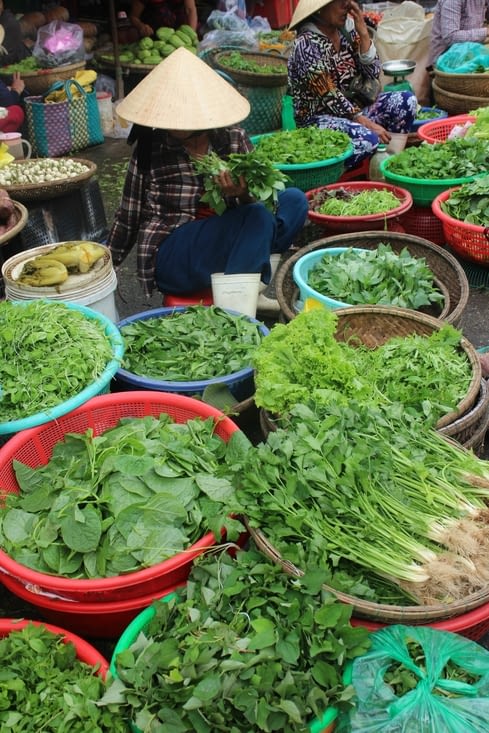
(457,104)
(247,78)
(22,215)
(470,429)
(473,85)
(376,611)
(374,325)
(445,267)
(38,82)
(49,189)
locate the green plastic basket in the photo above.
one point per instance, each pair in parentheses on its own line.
(325,724)
(423,190)
(307,176)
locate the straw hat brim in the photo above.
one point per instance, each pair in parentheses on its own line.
(305,8)
(184,93)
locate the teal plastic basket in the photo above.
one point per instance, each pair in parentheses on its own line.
(307,176)
(98,386)
(325,724)
(423,190)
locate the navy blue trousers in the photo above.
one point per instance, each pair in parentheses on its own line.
(239,240)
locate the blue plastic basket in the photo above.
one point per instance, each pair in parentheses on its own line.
(241,383)
(100,385)
(440,115)
(301,270)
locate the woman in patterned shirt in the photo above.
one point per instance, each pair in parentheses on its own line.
(183,110)
(332,47)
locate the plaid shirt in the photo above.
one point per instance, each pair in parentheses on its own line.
(457,21)
(158,200)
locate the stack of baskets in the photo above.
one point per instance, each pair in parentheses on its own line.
(460,93)
(263,91)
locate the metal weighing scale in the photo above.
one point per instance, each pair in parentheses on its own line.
(398,69)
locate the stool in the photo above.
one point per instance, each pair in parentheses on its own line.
(198,297)
(359,173)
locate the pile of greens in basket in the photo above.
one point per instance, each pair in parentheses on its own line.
(45,687)
(427,375)
(243,647)
(453,159)
(302,145)
(469,202)
(195,344)
(358,486)
(345,201)
(378,276)
(49,354)
(237,61)
(129,498)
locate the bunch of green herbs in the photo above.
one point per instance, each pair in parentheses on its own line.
(379,277)
(460,157)
(427,375)
(237,61)
(374,488)
(302,145)
(198,343)
(50,353)
(469,202)
(45,687)
(264,181)
(243,647)
(115,503)
(347,202)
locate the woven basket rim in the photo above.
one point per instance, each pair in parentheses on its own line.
(369,609)
(475,101)
(39,73)
(33,191)
(473,416)
(457,75)
(251,78)
(22,221)
(375,236)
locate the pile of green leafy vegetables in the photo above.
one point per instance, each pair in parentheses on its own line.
(461,157)
(427,375)
(45,687)
(378,276)
(50,353)
(198,343)
(302,145)
(237,61)
(363,486)
(469,202)
(348,202)
(115,503)
(243,647)
(263,179)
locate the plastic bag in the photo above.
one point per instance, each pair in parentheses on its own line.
(59,43)
(404,33)
(244,39)
(435,704)
(464,58)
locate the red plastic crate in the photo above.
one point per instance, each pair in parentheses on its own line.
(278,12)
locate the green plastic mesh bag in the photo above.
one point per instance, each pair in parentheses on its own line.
(438,683)
(464,58)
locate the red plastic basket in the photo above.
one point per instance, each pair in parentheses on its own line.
(469,241)
(85,652)
(370,222)
(421,222)
(439,130)
(473,624)
(34,447)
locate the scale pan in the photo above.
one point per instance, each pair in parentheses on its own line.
(399,66)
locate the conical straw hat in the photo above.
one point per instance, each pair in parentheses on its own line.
(184,93)
(305,8)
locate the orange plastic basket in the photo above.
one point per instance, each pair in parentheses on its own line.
(469,241)
(439,130)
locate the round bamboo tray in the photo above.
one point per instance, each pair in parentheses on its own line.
(23,215)
(473,85)
(376,611)
(38,82)
(49,189)
(445,267)
(457,104)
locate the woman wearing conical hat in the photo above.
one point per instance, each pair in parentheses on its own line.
(182,110)
(332,47)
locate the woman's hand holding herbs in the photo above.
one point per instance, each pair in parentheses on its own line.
(234,188)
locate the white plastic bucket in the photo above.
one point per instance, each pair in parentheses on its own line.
(236,292)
